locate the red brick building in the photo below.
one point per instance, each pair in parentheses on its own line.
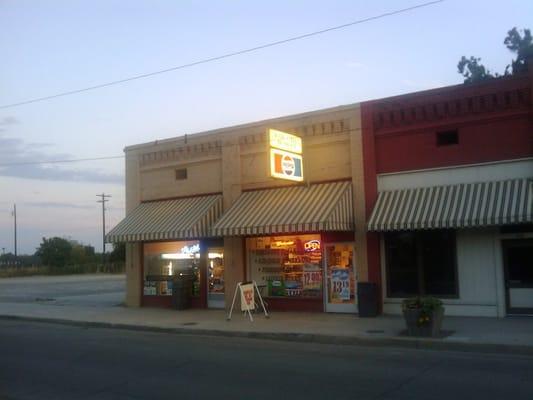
(449,192)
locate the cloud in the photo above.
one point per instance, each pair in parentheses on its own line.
(20,159)
(52,204)
(9,120)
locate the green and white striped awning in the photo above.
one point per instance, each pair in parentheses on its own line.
(318,207)
(186,218)
(454,206)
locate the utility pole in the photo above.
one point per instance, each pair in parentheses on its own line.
(103,200)
(14,213)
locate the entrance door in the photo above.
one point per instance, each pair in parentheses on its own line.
(215,278)
(339,285)
(518,264)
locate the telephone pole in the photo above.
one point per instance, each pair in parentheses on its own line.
(103,200)
(14,213)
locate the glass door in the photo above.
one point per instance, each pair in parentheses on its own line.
(215,278)
(518,264)
(340,278)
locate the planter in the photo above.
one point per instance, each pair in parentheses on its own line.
(430,328)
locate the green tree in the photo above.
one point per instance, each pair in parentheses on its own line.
(119,253)
(54,252)
(522,46)
(519,43)
(81,254)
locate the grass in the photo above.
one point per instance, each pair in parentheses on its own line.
(11,272)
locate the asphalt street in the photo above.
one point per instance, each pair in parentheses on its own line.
(48,361)
(92,290)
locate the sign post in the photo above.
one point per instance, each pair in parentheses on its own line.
(247,292)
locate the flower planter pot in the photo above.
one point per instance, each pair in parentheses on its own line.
(430,328)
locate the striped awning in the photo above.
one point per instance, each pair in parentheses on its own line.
(186,218)
(319,207)
(454,206)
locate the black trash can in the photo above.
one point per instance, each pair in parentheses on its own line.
(181,292)
(367,299)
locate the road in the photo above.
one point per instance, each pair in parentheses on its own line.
(47,361)
(98,290)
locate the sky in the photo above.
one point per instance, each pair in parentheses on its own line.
(51,46)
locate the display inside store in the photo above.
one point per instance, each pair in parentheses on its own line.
(167,261)
(286,266)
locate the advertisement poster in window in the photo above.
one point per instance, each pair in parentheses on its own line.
(340,284)
(312,280)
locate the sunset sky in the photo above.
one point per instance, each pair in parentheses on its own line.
(57,46)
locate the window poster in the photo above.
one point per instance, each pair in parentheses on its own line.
(340,284)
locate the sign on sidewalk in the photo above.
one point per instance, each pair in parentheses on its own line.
(247,291)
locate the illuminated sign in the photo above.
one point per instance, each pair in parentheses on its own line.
(282,243)
(195,248)
(312,245)
(286,160)
(286,165)
(285,141)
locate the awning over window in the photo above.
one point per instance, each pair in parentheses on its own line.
(185,218)
(454,206)
(319,207)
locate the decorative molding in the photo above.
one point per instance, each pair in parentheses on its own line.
(389,116)
(181,153)
(333,127)
(190,152)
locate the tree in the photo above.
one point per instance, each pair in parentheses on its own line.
(473,71)
(522,45)
(54,252)
(81,254)
(119,253)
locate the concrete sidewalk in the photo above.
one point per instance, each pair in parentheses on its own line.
(509,335)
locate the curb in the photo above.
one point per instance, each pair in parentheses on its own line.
(402,342)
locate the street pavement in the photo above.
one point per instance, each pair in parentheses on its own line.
(51,361)
(96,301)
(94,290)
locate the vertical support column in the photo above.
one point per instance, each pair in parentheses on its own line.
(231,190)
(373,240)
(358,183)
(134,280)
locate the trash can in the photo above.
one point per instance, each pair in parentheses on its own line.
(367,299)
(181,292)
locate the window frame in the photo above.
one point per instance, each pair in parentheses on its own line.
(420,267)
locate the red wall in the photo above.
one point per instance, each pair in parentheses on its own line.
(484,141)
(494,122)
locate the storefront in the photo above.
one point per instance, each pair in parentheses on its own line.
(469,244)
(200,262)
(309,271)
(176,244)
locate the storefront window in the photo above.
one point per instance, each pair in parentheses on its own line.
(421,263)
(286,266)
(166,261)
(215,275)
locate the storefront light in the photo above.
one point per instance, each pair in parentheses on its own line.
(215,255)
(179,256)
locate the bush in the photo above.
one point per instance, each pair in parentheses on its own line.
(426,307)
(427,304)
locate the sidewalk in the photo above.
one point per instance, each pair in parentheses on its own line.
(509,335)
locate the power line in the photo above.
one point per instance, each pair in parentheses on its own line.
(227,55)
(60,161)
